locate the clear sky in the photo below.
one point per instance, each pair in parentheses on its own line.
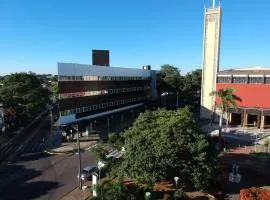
(36,34)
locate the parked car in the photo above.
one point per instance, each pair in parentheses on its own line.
(214,133)
(86,173)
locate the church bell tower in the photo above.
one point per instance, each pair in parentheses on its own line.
(211,54)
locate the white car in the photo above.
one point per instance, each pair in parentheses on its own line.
(214,133)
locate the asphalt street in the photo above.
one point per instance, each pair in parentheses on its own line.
(33,174)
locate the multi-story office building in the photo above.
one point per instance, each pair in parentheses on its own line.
(87,92)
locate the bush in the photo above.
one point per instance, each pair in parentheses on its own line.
(116,139)
(254,194)
(180,195)
(100,152)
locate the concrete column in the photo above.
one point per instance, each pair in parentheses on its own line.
(90,126)
(108,122)
(245,115)
(258,121)
(242,119)
(230,118)
(122,116)
(262,122)
(89,129)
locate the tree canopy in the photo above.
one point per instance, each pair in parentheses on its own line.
(191,89)
(163,144)
(55,90)
(114,190)
(170,78)
(188,86)
(24,93)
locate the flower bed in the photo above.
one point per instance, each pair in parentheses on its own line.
(254,194)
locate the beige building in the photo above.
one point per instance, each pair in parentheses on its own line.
(211,53)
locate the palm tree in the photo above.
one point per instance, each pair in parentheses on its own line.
(228,100)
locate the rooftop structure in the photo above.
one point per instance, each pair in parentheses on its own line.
(246,71)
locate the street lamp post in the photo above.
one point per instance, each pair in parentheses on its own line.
(147,195)
(79,159)
(100,165)
(176,181)
(176,194)
(84,187)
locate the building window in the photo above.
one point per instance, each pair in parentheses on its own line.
(267,80)
(62,113)
(255,79)
(102,78)
(239,79)
(224,79)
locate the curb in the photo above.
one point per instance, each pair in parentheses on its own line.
(51,152)
(55,153)
(89,148)
(211,196)
(65,195)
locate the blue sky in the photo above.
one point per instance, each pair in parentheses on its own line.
(35,35)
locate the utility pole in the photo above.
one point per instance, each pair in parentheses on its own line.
(79,159)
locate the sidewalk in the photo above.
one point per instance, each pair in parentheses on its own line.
(71,147)
(77,194)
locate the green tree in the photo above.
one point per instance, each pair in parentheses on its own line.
(228,100)
(55,90)
(163,144)
(117,140)
(171,78)
(191,89)
(24,93)
(54,78)
(100,152)
(188,87)
(169,83)
(114,190)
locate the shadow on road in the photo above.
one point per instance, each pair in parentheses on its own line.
(15,183)
(31,157)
